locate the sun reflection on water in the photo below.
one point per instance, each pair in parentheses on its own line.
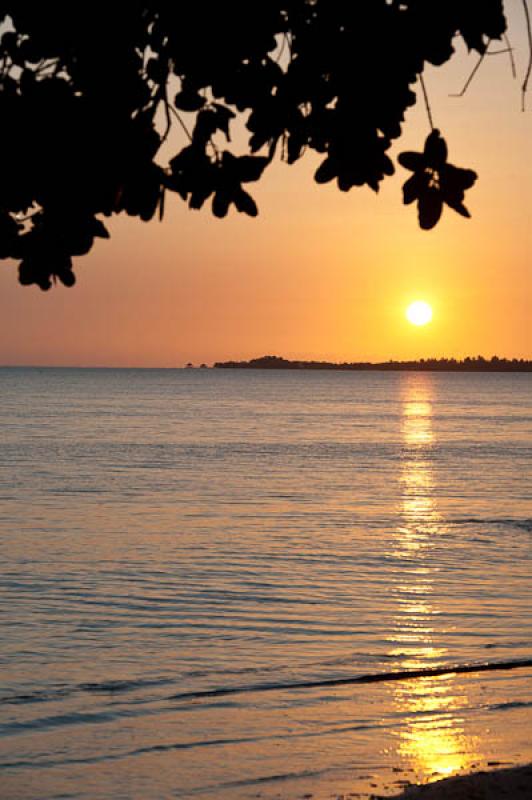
(432,738)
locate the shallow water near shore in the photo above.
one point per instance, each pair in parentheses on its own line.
(168,533)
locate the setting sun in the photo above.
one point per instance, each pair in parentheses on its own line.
(419,313)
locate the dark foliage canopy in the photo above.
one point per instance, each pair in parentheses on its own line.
(90,90)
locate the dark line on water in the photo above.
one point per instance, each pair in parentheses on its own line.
(401,675)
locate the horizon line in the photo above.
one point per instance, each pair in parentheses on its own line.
(212,365)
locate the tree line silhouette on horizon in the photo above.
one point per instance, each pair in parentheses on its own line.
(90,92)
(467,364)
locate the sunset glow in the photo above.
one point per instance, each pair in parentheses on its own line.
(319,273)
(419,313)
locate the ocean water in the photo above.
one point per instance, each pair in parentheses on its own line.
(180,548)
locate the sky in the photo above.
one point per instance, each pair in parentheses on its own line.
(319,274)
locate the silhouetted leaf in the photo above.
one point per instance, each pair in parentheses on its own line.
(296,142)
(223,117)
(250,168)
(413,188)
(206,126)
(220,203)
(457,206)
(210,120)
(67,278)
(245,203)
(435,182)
(435,153)
(156,70)
(327,171)
(430,207)
(411,161)
(99,229)
(189,101)
(199,195)
(462,178)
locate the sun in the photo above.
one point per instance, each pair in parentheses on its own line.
(419,313)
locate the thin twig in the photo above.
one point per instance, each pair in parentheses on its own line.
(507,49)
(427,104)
(473,73)
(512,59)
(163,96)
(281,50)
(168,119)
(272,148)
(174,112)
(498,52)
(529,67)
(289,43)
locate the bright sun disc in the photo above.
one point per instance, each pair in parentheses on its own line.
(419,313)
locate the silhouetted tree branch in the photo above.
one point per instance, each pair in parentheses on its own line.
(529,66)
(89,92)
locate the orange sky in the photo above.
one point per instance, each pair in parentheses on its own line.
(319,274)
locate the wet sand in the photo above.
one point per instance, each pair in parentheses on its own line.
(511,784)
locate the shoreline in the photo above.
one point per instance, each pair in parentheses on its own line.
(513,783)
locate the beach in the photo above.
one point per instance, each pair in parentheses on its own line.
(514,783)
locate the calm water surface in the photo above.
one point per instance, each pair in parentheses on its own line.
(168,532)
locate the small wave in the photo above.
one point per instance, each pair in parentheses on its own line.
(262,779)
(122,685)
(170,746)
(503,522)
(380,677)
(64,691)
(510,705)
(37,696)
(156,748)
(353,660)
(57,721)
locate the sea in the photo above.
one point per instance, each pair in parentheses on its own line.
(212,582)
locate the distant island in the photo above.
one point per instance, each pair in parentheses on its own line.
(475,364)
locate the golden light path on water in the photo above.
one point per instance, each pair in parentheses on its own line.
(433,738)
